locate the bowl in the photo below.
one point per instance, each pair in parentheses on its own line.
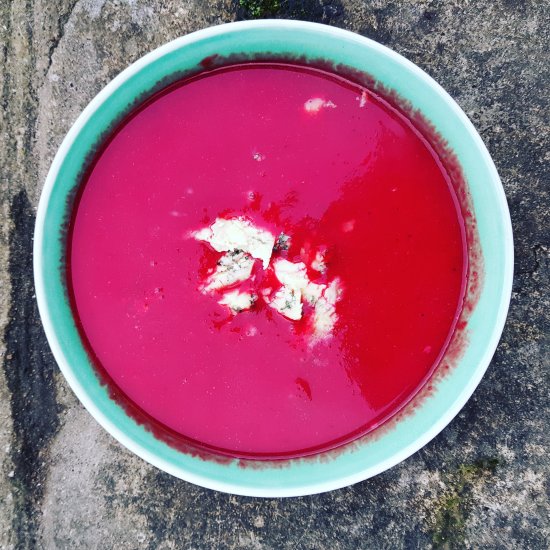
(491,256)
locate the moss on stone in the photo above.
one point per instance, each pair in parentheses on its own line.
(453,507)
(258,9)
(321,11)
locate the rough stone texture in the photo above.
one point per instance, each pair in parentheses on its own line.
(483,483)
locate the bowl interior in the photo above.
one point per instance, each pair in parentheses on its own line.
(295,40)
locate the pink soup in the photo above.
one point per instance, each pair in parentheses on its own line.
(255,362)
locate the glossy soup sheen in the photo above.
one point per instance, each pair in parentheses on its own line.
(354,177)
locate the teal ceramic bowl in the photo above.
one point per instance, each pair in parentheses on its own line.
(423,418)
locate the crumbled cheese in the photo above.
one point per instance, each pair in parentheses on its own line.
(319,262)
(294,275)
(203,234)
(242,242)
(313,292)
(287,301)
(239,234)
(296,287)
(324,315)
(237,301)
(251,331)
(291,274)
(315,104)
(282,242)
(233,267)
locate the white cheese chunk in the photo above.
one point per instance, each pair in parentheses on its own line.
(319,262)
(233,267)
(239,234)
(324,315)
(203,234)
(237,301)
(241,242)
(312,292)
(296,283)
(291,274)
(315,104)
(282,242)
(287,301)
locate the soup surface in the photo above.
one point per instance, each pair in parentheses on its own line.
(267,259)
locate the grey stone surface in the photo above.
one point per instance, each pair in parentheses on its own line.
(483,483)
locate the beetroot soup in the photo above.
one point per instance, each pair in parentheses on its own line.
(268,260)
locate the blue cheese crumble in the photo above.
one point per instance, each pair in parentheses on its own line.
(239,234)
(296,287)
(242,243)
(233,267)
(238,301)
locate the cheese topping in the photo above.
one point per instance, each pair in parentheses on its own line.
(237,301)
(241,242)
(313,292)
(294,275)
(238,234)
(233,267)
(287,301)
(315,104)
(324,314)
(297,286)
(319,263)
(291,274)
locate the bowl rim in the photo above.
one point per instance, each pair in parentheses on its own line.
(258,486)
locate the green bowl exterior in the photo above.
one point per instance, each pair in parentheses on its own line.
(285,38)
